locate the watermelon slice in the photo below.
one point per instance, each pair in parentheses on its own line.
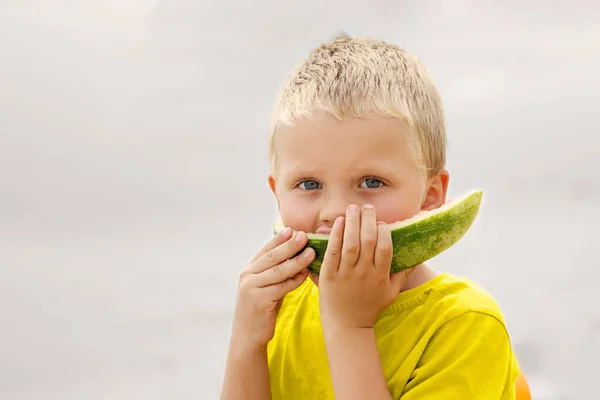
(416,239)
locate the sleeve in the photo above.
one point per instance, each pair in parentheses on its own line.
(469,357)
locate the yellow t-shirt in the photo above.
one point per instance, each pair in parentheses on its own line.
(445,339)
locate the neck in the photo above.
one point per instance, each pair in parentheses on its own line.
(421,274)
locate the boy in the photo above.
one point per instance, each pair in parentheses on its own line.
(358,142)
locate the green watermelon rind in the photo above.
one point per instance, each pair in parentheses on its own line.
(416,239)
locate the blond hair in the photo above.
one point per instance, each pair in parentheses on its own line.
(364,78)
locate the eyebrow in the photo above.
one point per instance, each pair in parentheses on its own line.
(302,170)
(381,169)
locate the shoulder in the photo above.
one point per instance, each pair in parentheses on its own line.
(468,348)
(468,320)
(459,296)
(445,300)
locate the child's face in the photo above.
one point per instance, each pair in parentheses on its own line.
(324,165)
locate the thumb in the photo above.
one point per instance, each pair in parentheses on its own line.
(398,279)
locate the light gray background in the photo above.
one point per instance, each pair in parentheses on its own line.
(133,178)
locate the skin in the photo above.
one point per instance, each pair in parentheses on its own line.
(348,154)
(271,274)
(349,179)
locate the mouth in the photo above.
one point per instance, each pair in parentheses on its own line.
(323,229)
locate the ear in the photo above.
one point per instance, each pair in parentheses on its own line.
(273,186)
(435,195)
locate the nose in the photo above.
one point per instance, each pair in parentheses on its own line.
(335,206)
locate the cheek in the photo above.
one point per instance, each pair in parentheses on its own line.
(396,209)
(395,214)
(297,212)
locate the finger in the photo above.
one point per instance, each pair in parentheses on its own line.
(279,254)
(351,246)
(333,253)
(286,270)
(368,235)
(398,280)
(384,249)
(275,241)
(279,290)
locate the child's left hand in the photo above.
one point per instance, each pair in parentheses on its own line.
(355,283)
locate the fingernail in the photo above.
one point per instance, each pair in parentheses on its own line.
(286,231)
(339,221)
(353,208)
(368,207)
(299,237)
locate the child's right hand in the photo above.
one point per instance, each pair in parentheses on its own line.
(270,275)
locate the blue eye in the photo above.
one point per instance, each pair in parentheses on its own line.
(371,183)
(309,185)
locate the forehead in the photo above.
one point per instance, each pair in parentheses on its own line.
(324,140)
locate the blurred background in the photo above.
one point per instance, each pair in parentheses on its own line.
(133,178)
